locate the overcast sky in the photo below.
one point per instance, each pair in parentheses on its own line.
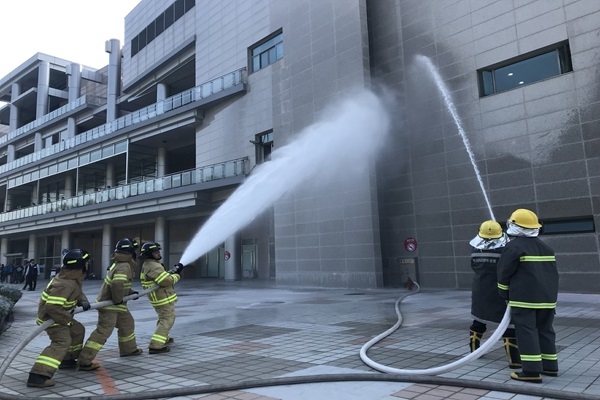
(73,30)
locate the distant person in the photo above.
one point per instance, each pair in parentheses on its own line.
(8,272)
(486,305)
(528,280)
(19,278)
(32,271)
(116,286)
(66,334)
(2,277)
(162,299)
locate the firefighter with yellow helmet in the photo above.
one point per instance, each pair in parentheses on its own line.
(528,280)
(486,305)
(58,301)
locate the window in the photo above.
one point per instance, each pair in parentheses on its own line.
(524,70)
(266,52)
(160,24)
(566,226)
(264,146)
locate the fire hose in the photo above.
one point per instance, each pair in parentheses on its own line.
(485,347)
(25,341)
(391,374)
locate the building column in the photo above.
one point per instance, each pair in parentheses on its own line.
(10,153)
(68,186)
(3,250)
(107,247)
(31,252)
(43,89)
(232,261)
(161,92)
(161,167)
(34,194)
(38,143)
(160,238)
(65,240)
(113,47)
(110,175)
(14,110)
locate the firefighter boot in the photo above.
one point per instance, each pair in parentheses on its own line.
(475,340)
(525,376)
(164,349)
(39,381)
(512,352)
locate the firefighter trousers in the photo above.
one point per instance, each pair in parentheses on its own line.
(536,338)
(166,319)
(65,344)
(108,320)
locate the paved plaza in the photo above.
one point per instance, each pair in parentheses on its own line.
(233,339)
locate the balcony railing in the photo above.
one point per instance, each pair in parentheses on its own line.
(179,100)
(207,173)
(52,115)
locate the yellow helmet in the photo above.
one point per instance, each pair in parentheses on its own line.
(525,218)
(490,230)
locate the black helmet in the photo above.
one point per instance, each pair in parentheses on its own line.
(127,245)
(149,247)
(76,259)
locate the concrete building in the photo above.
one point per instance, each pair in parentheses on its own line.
(202,91)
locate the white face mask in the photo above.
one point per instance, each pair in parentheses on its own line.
(516,230)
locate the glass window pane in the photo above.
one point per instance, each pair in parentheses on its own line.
(159,24)
(189,4)
(179,9)
(264,60)
(279,49)
(487,82)
(527,71)
(255,63)
(150,32)
(95,155)
(169,16)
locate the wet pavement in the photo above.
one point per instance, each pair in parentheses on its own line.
(234,339)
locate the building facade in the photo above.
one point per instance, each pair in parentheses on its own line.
(202,91)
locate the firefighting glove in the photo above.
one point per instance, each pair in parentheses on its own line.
(84,304)
(134,292)
(177,268)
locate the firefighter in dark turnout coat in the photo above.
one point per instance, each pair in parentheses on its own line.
(486,305)
(58,301)
(528,279)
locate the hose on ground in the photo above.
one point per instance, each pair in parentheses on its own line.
(485,347)
(331,378)
(40,328)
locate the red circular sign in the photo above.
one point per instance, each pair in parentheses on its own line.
(410,244)
(227,255)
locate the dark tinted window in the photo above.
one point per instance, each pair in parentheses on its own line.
(159,22)
(179,9)
(526,70)
(150,32)
(577,225)
(169,16)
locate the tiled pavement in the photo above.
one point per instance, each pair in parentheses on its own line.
(229,333)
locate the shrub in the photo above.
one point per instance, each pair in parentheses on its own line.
(5,313)
(11,293)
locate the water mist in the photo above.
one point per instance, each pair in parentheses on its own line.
(349,135)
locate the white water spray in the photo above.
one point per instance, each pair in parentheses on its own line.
(349,136)
(450,105)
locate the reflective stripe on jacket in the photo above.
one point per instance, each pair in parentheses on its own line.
(118,282)
(527,270)
(61,296)
(153,273)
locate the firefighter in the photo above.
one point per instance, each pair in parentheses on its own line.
(58,301)
(528,280)
(116,285)
(162,299)
(486,305)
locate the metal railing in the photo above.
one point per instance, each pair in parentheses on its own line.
(207,173)
(52,115)
(179,100)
